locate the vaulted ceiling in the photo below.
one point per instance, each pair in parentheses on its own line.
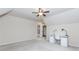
(56,15)
(27,12)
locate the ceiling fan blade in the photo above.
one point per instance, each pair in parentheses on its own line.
(44,15)
(46,11)
(35,12)
(37,15)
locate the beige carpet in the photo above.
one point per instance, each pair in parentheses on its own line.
(35,45)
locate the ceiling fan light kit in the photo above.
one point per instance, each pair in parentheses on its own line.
(40,12)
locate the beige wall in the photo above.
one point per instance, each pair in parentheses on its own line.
(14,29)
(72,29)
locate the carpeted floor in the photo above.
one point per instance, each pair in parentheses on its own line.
(36,45)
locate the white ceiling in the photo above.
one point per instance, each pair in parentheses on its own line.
(27,12)
(56,15)
(71,16)
(4,10)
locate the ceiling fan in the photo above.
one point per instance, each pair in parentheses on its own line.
(40,12)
